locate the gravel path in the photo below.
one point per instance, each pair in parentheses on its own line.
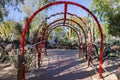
(64,65)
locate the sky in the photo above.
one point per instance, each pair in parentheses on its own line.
(71,9)
(18,16)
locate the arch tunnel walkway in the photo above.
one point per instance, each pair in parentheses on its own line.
(65,65)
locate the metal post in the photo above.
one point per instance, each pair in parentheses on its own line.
(65,11)
(21,68)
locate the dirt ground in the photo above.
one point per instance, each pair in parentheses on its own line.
(8,72)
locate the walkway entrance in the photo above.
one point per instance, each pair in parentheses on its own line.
(64,20)
(64,65)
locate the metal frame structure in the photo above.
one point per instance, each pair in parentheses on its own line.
(66,3)
(44,31)
(66,25)
(61,25)
(70,15)
(42,36)
(73,15)
(40,54)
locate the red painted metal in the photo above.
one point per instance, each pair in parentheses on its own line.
(53,23)
(72,3)
(34,41)
(36,34)
(60,20)
(65,11)
(67,20)
(60,14)
(41,53)
(68,14)
(61,24)
(67,24)
(58,25)
(75,16)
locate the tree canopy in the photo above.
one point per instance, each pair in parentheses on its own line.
(10,29)
(4,5)
(108,12)
(29,7)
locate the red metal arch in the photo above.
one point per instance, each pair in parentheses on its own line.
(65,10)
(59,25)
(55,22)
(68,20)
(63,13)
(71,15)
(40,54)
(42,36)
(48,34)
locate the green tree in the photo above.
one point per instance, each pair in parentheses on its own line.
(29,7)
(58,32)
(89,23)
(108,11)
(4,7)
(10,30)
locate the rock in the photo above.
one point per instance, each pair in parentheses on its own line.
(2,45)
(12,52)
(27,47)
(9,47)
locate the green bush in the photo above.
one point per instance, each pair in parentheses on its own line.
(67,43)
(28,59)
(3,56)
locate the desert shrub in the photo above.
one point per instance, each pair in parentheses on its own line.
(28,59)
(3,56)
